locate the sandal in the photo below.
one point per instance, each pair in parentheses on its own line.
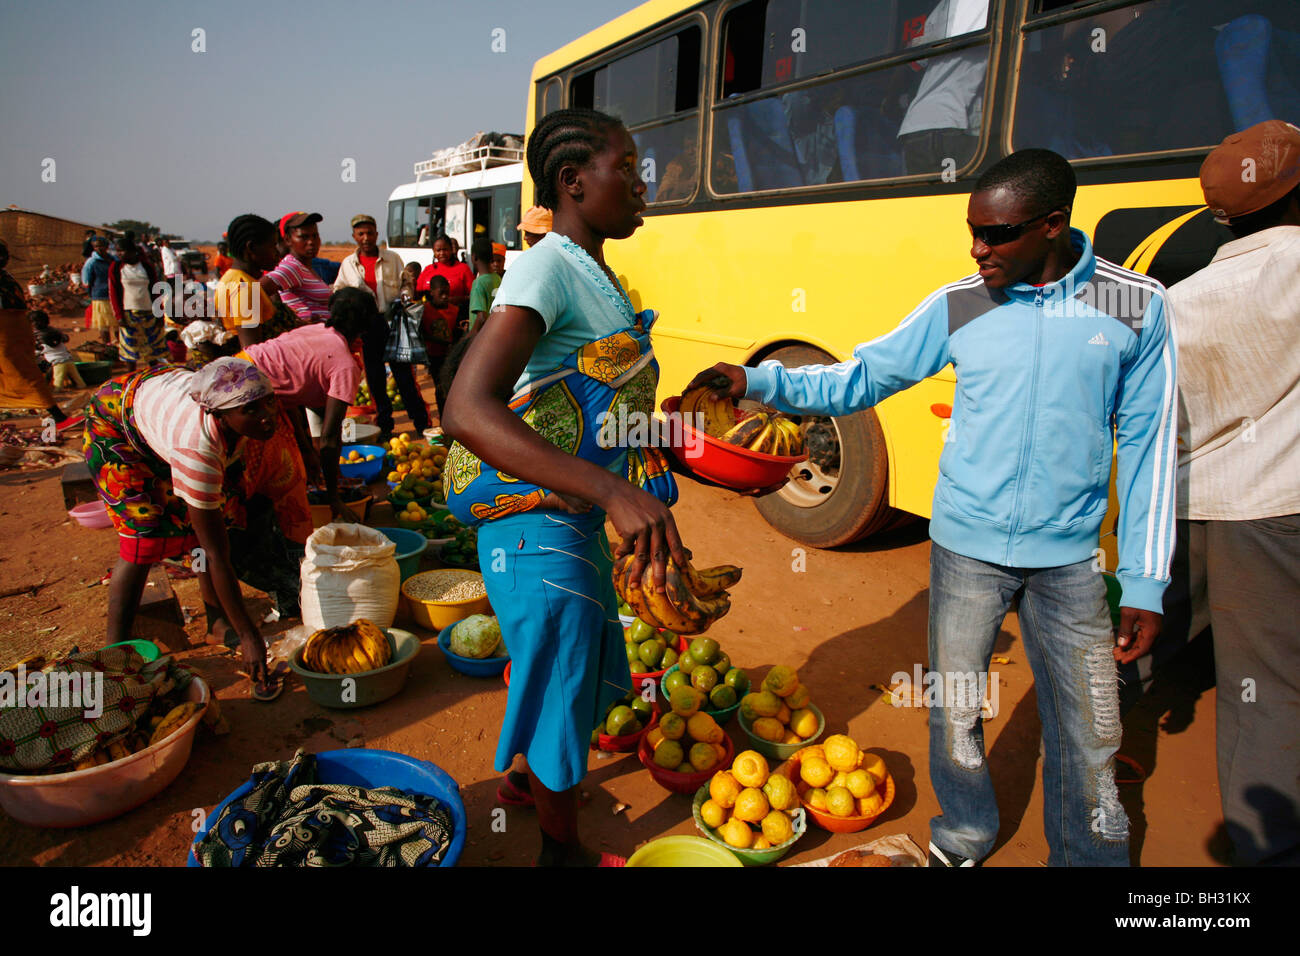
(611,859)
(512,796)
(268,691)
(1138,774)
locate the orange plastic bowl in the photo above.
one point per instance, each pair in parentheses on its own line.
(626,743)
(686,783)
(729,465)
(829,821)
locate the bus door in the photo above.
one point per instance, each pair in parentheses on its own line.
(455,219)
(480,214)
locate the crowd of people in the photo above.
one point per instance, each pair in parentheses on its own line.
(218,454)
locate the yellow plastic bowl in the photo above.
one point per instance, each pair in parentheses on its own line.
(682,851)
(436,615)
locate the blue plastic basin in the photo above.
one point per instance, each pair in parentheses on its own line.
(471,666)
(410,546)
(361,767)
(367,471)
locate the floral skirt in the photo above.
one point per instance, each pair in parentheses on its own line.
(140,337)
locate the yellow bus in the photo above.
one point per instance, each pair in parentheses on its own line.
(808,164)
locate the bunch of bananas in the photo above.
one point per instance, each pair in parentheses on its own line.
(360,646)
(769,433)
(692,601)
(701,410)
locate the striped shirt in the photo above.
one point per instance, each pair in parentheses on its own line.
(181,434)
(301,289)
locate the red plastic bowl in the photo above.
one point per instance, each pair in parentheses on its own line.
(728,465)
(626,743)
(505,674)
(653,677)
(686,783)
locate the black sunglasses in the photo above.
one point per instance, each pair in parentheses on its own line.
(1003,233)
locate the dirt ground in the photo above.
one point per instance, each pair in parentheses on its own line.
(846,619)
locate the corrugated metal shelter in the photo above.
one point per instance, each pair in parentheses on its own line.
(36,240)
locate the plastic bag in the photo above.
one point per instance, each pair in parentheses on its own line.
(404,342)
(349,572)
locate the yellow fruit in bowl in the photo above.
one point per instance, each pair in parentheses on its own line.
(669,755)
(816,798)
(394,477)
(769,728)
(764,703)
(780,792)
(685,701)
(735,833)
(815,772)
(654,737)
(783,715)
(713,814)
(840,802)
(777,827)
(841,779)
(723,789)
(704,728)
(799,699)
(761,843)
(703,757)
(812,750)
(751,806)
(673,726)
(781,681)
(803,723)
(875,766)
(860,784)
(841,752)
(750,768)
(869,806)
(791,738)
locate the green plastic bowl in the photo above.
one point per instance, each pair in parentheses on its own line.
(723,717)
(682,851)
(749,857)
(146,649)
(370,687)
(774,751)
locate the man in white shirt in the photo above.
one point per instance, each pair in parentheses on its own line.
(379,272)
(943,120)
(1238,338)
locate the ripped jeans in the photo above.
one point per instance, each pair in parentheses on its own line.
(1067,638)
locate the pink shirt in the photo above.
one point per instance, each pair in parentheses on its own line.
(301,289)
(307,365)
(179,432)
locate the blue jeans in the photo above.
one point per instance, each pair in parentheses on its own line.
(1067,636)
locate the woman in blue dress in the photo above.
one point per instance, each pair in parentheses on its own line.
(533,470)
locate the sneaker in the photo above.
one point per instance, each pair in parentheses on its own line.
(940,857)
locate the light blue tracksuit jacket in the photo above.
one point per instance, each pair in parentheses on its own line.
(1047,379)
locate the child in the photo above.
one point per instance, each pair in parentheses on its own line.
(223,260)
(55,351)
(439,329)
(499,258)
(484,289)
(410,276)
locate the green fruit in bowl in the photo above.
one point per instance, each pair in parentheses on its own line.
(650,653)
(643,709)
(640,631)
(738,681)
(633,657)
(721,697)
(705,650)
(721,665)
(669,659)
(675,680)
(686,662)
(704,679)
(619,720)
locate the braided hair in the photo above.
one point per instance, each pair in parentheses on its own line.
(1039,178)
(245,230)
(563,138)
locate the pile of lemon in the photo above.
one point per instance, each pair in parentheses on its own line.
(687,740)
(749,807)
(840,778)
(779,711)
(412,513)
(354,457)
(415,458)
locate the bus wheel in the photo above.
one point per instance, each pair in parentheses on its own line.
(840,493)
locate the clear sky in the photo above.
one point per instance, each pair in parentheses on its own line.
(140,126)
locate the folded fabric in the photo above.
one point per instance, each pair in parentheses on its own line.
(288,818)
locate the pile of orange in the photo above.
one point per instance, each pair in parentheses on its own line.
(749,807)
(687,739)
(778,711)
(839,778)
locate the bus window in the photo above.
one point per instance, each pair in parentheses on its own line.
(847,122)
(395,236)
(548,96)
(410,221)
(505,217)
(1156,76)
(650,90)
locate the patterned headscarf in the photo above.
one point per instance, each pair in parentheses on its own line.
(229,383)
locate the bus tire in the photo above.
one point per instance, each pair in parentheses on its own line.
(858,504)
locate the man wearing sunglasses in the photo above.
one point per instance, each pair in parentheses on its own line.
(1058,356)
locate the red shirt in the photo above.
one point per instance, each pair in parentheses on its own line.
(448,317)
(457,274)
(368,269)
